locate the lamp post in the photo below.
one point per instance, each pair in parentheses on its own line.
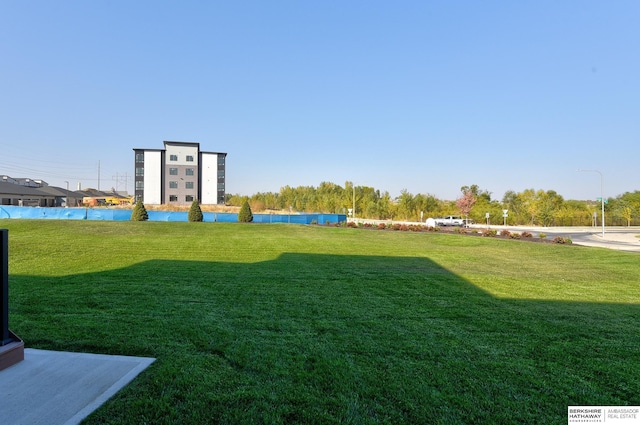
(354,201)
(601,194)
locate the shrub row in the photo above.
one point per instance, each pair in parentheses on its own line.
(504,233)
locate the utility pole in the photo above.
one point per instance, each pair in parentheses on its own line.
(119,178)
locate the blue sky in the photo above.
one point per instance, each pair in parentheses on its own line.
(426,96)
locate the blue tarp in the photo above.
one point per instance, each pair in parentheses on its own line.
(7,211)
(167,216)
(299,218)
(220,217)
(106,214)
(43,213)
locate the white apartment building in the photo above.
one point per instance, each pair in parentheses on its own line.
(179,174)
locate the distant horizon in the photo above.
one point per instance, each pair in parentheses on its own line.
(315,186)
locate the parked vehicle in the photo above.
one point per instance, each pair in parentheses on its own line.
(450,220)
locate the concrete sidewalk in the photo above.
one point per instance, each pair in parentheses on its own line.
(612,240)
(617,238)
(51,387)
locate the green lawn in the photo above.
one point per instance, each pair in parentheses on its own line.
(273,324)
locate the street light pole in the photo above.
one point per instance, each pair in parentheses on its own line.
(354,201)
(601,194)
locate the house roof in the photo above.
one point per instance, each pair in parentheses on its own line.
(174,143)
(18,190)
(190,144)
(58,191)
(98,193)
(91,192)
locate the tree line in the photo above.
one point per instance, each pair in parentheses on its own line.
(529,207)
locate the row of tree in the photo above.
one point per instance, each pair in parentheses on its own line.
(530,207)
(195,214)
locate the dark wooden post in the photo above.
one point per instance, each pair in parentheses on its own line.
(11,347)
(4,283)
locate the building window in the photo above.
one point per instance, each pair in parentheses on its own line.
(189,158)
(139,171)
(173,198)
(173,185)
(173,157)
(220,174)
(188,185)
(139,185)
(173,171)
(139,157)
(220,160)
(220,186)
(189,171)
(188,198)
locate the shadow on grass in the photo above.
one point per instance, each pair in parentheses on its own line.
(332,339)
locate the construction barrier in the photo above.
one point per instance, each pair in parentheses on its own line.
(55,213)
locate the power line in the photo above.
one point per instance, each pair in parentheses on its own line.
(119,178)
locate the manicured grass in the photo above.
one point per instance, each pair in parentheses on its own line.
(294,324)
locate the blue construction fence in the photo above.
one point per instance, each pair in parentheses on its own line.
(55,213)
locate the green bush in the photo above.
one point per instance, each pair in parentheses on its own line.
(245,215)
(195,213)
(139,212)
(489,233)
(542,235)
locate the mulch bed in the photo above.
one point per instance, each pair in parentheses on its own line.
(516,236)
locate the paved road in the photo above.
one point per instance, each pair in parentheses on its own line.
(620,238)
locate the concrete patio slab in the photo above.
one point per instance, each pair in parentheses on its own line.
(52,387)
